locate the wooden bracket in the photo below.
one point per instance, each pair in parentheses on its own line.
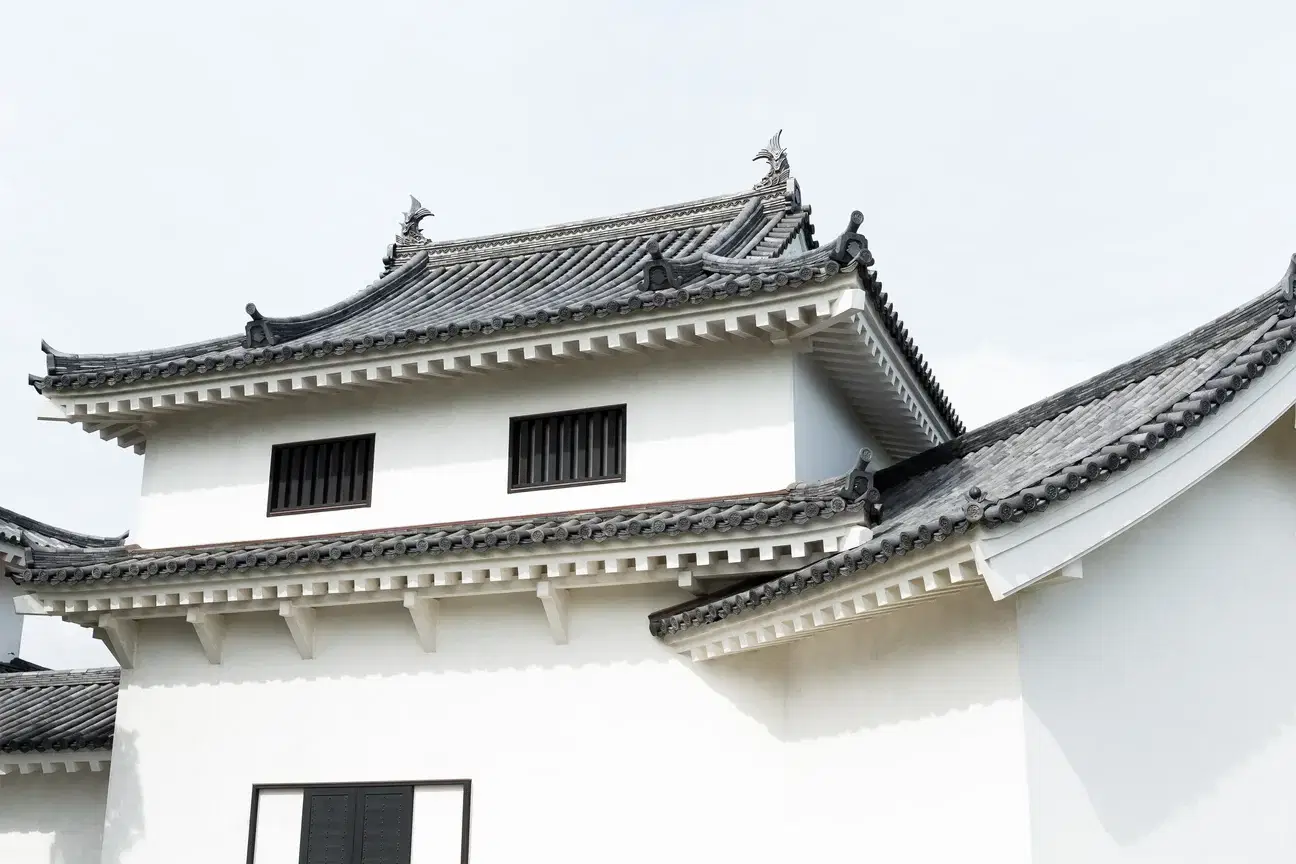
(301,624)
(210,628)
(423,612)
(555,607)
(120,635)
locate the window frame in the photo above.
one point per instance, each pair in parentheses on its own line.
(367,501)
(465,785)
(565,484)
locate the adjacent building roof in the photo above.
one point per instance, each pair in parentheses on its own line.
(703,251)
(851,493)
(54,711)
(25,532)
(1045,452)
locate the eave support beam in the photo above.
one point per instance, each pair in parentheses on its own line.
(210,628)
(424,612)
(121,636)
(555,607)
(301,625)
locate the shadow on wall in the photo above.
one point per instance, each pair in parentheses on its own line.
(1154,676)
(124,817)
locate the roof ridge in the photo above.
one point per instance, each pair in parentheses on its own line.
(532,239)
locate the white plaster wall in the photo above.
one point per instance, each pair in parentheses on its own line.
(52,818)
(1161,702)
(829,434)
(715,422)
(608,743)
(905,738)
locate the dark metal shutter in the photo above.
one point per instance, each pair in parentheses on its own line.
(569,449)
(328,827)
(321,475)
(357,825)
(386,825)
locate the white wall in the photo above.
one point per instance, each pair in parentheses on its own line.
(829,434)
(52,818)
(609,743)
(1161,703)
(869,734)
(717,421)
(905,738)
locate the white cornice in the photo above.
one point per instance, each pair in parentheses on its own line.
(916,577)
(113,607)
(61,762)
(124,412)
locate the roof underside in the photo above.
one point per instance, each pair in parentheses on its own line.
(58,711)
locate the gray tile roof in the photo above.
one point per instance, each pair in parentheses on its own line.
(693,253)
(55,711)
(1043,453)
(850,493)
(26,532)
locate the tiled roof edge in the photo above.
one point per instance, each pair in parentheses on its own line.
(1186,410)
(60,678)
(851,493)
(238,358)
(71,538)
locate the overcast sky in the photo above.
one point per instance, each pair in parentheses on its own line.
(1048,188)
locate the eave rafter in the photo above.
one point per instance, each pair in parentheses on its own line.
(115,608)
(56,762)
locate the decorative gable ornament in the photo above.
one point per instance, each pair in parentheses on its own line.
(659,271)
(410,232)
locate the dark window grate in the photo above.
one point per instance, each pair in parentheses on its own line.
(321,475)
(570,449)
(360,825)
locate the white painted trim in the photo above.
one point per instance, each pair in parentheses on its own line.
(917,576)
(210,628)
(121,636)
(62,762)
(1017,556)
(555,605)
(424,613)
(301,626)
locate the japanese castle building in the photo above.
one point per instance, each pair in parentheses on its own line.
(653,537)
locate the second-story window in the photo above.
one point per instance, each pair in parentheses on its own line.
(321,475)
(569,449)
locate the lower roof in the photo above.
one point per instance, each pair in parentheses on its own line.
(53,711)
(1044,453)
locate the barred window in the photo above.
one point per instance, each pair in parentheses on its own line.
(321,475)
(568,449)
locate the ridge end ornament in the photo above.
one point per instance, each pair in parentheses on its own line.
(410,232)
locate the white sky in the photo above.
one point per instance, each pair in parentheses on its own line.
(1048,188)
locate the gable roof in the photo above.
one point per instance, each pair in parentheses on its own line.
(1059,446)
(59,710)
(704,251)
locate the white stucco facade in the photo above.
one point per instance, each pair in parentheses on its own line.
(52,818)
(1160,704)
(11,623)
(611,741)
(719,421)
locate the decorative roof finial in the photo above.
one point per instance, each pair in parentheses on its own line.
(409,230)
(1289,280)
(777,158)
